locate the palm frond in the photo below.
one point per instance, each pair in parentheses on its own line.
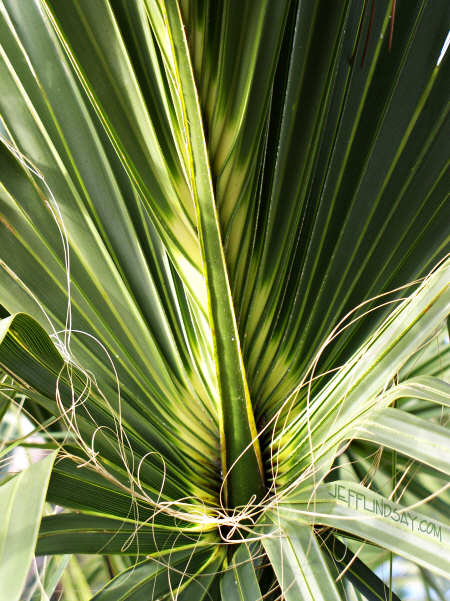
(224,284)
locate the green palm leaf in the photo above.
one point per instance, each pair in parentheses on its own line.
(22,502)
(357,510)
(299,563)
(240,583)
(216,221)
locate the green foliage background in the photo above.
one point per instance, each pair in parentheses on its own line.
(216,221)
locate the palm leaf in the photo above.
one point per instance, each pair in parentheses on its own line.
(208,218)
(22,501)
(240,583)
(299,563)
(362,577)
(158,578)
(357,510)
